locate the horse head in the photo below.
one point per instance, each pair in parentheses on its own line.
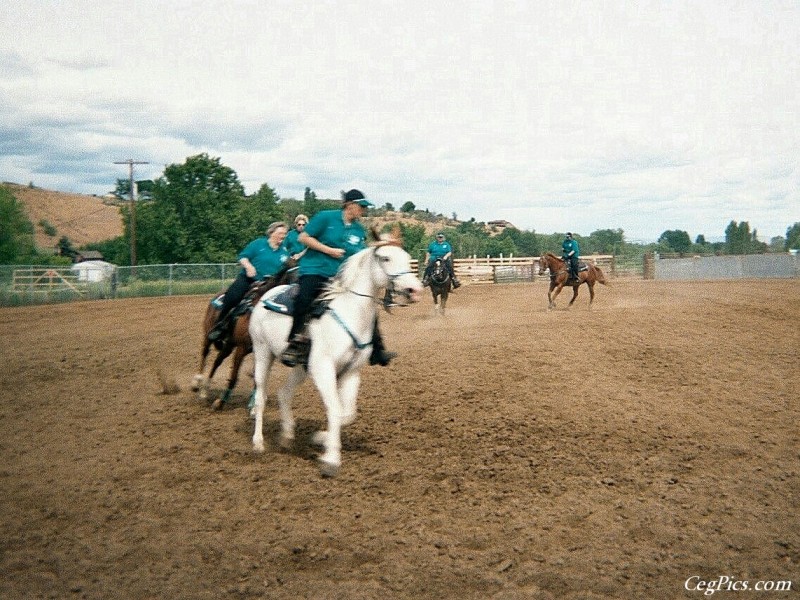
(439,273)
(393,272)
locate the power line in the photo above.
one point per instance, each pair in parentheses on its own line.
(131,193)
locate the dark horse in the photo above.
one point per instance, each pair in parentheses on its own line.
(559,277)
(237,340)
(441,284)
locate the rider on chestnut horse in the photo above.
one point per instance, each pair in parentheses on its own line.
(570,252)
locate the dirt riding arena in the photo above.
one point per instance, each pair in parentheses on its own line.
(509,452)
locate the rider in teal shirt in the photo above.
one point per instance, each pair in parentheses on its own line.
(332,236)
(570,252)
(293,245)
(329,228)
(263,257)
(439,248)
(266,259)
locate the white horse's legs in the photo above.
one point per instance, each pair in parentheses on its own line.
(325,379)
(285,394)
(348,396)
(261,375)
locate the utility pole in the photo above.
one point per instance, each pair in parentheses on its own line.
(131,195)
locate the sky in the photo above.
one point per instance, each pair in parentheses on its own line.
(557,116)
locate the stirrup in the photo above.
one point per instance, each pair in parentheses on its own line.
(218,331)
(296,353)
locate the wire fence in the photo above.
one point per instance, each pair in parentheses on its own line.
(37,284)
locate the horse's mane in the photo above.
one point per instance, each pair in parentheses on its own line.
(551,255)
(347,275)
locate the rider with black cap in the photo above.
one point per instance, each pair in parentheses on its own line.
(331,236)
(570,252)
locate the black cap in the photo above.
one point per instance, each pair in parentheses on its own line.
(358,197)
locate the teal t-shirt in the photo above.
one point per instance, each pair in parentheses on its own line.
(568,246)
(292,244)
(439,249)
(266,260)
(328,227)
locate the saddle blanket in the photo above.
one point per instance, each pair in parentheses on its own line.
(281,299)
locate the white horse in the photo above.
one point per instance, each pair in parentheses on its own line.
(340,344)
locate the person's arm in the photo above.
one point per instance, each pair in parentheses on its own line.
(249,269)
(315,244)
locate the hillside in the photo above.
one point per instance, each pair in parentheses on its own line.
(85,219)
(81,218)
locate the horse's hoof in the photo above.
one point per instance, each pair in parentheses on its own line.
(286,442)
(258,446)
(328,469)
(217,404)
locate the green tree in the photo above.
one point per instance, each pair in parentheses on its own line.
(739,239)
(793,237)
(408,207)
(16,230)
(259,210)
(65,247)
(676,240)
(605,241)
(199,213)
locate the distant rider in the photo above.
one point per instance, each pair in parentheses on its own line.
(439,248)
(570,252)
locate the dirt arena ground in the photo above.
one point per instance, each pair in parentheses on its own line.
(509,452)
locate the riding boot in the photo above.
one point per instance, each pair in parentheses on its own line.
(297,351)
(220,329)
(456,283)
(379,354)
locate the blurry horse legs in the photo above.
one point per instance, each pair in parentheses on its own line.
(285,394)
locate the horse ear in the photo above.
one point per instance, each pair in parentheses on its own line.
(397,234)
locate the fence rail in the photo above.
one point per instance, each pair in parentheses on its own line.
(209,278)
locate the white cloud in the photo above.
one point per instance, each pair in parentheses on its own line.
(643,116)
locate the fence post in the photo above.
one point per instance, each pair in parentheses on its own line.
(169,285)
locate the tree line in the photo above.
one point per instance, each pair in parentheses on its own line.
(198,212)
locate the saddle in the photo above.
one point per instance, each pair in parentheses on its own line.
(246,305)
(281,300)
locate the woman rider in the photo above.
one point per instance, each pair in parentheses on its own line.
(331,236)
(262,257)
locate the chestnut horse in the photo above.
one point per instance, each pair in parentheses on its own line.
(559,277)
(237,341)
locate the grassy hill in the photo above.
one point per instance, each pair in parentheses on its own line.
(81,218)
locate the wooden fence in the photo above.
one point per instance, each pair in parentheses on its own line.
(47,281)
(512,269)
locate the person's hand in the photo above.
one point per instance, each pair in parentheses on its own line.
(336,252)
(250,271)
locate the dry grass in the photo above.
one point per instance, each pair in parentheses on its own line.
(83,219)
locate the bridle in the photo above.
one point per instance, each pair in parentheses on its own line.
(391,290)
(439,268)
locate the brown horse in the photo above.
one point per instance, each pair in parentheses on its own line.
(559,277)
(440,285)
(236,342)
